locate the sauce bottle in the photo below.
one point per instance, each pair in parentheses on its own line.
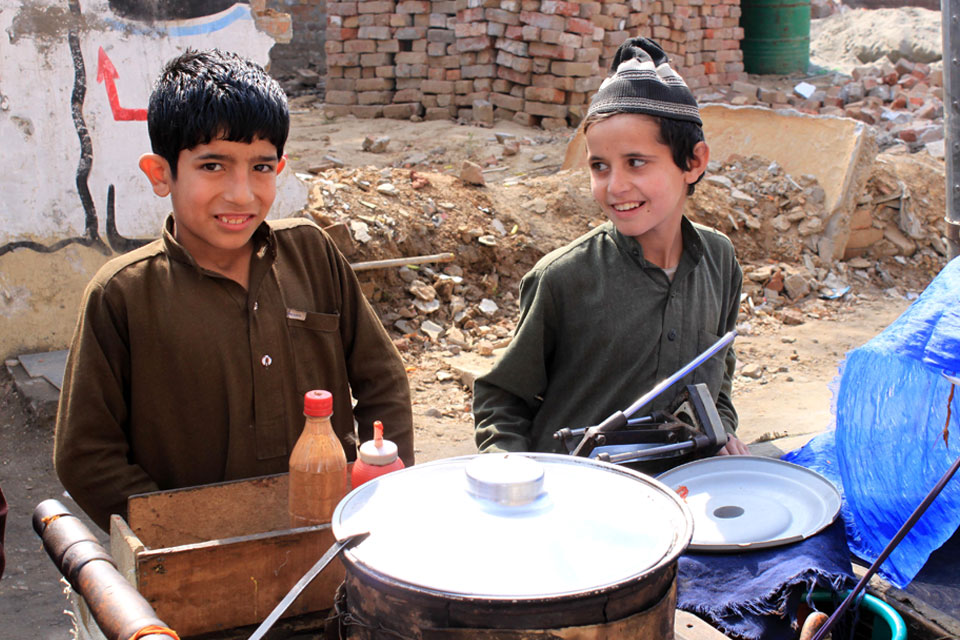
(318,466)
(376,457)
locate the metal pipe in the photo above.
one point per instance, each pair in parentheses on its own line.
(950,16)
(118,609)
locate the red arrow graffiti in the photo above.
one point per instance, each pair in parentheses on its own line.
(107,74)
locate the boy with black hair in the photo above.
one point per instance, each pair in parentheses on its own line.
(610,315)
(192,354)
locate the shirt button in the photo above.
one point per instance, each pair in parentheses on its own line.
(672,335)
(267,360)
(256,305)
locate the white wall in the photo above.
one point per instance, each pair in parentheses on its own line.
(53,236)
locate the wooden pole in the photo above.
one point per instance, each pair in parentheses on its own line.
(950,17)
(402,262)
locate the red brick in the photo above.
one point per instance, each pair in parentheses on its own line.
(573,68)
(375,97)
(552,51)
(374,33)
(502,17)
(360,46)
(435,86)
(579,25)
(518,77)
(342,9)
(474,14)
(542,20)
(559,7)
(401,111)
(479,71)
(470,29)
(545,109)
(376,6)
(340,97)
(343,59)
(413,6)
(545,94)
(473,44)
(517,63)
(340,34)
(410,33)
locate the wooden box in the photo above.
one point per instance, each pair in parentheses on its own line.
(220,556)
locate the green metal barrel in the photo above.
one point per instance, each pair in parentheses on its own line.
(776,35)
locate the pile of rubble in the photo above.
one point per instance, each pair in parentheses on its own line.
(775,219)
(902,101)
(772,218)
(534,61)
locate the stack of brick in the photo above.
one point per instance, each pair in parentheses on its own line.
(546,60)
(376,57)
(702,37)
(537,62)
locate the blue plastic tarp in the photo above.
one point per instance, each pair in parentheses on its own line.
(892,441)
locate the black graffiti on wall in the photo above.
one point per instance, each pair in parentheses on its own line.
(150,10)
(115,242)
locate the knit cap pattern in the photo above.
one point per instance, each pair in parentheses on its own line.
(642,81)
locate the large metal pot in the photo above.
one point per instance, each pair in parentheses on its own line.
(516,541)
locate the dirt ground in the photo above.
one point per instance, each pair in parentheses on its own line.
(448,318)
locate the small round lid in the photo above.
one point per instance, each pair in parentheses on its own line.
(378,452)
(318,403)
(378,455)
(530,525)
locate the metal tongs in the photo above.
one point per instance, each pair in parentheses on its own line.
(338,546)
(597,435)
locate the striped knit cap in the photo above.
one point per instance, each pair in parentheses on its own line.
(643,82)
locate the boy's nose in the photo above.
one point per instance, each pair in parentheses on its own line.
(240,190)
(619,182)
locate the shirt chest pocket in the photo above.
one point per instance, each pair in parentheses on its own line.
(317,349)
(311,320)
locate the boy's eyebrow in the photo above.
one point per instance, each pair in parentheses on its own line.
(222,156)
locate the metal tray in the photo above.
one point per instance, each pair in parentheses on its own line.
(749,502)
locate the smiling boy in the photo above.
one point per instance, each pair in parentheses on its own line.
(192,354)
(607,317)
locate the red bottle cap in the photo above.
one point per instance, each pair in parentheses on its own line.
(318,403)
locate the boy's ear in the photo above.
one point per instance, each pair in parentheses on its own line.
(698,164)
(157,170)
(282,163)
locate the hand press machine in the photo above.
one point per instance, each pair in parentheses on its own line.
(691,429)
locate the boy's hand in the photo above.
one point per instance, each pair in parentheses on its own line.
(734,447)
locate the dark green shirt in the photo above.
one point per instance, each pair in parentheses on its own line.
(600,326)
(178,376)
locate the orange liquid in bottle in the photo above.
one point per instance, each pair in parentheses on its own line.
(318,466)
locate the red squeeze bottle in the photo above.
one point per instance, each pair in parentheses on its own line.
(318,466)
(376,457)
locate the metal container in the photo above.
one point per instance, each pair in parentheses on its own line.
(511,541)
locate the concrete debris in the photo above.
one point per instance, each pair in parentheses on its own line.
(472,173)
(752,370)
(488,307)
(431,329)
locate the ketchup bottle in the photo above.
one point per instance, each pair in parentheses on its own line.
(376,457)
(318,466)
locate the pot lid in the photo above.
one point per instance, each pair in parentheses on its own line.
(514,525)
(749,502)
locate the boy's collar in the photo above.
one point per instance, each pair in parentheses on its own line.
(264,244)
(692,242)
